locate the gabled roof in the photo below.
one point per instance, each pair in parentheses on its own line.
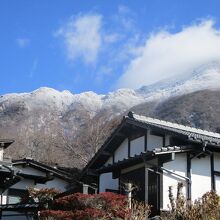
(43,167)
(189,133)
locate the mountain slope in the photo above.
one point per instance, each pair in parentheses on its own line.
(199,109)
(43,119)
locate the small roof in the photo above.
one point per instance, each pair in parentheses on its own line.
(5,142)
(143,156)
(43,167)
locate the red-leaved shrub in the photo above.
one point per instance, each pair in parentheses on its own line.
(82,207)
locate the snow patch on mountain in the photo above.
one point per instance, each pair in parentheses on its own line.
(203,77)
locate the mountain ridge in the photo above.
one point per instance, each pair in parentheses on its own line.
(45,118)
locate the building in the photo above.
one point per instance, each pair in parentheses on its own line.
(155,155)
(17,176)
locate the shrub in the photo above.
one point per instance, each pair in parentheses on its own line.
(80,206)
(103,206)
(205,208)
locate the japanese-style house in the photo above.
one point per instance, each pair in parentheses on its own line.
(155,155)
(15,178)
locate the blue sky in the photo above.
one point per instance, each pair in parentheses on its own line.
(103,45)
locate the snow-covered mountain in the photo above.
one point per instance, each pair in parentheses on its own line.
(203,77)
(39,114)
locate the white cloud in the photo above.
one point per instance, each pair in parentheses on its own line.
(82,37)
(33,68)
(123,9)
(23,42)
(111,38)
(125,18)
(166,54)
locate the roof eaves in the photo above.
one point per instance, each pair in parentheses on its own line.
(59,173)
(174,125)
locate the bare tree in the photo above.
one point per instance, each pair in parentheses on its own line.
(87,141)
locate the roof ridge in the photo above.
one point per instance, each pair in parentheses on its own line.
(35,162)
(173,125)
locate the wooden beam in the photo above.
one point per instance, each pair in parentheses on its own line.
(145,141)
(212,172)
(129,147)
(119,134)
(91,172)
(189,176)
(106,153)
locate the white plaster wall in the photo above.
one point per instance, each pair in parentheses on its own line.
(200,176)
(55,183)
(217,161)
(153,141)
(106,182)
(109,161)
(179,166)
(1,153)
(122,151)
(167,140)
(217,184)
(137,146)
(3,198)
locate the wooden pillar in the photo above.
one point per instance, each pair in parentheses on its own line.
(189,176)
(146,184)
(213,187)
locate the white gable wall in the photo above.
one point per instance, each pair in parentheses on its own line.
(137,146)
(167,140)
(153,141)
(200,176)
(122,151)
(56,183)
(107,182)
(179,166)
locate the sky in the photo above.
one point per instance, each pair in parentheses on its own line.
(102,45)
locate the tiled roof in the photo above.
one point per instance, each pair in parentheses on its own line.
(169,149)
(41,166)
(147,155)
(190,132)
